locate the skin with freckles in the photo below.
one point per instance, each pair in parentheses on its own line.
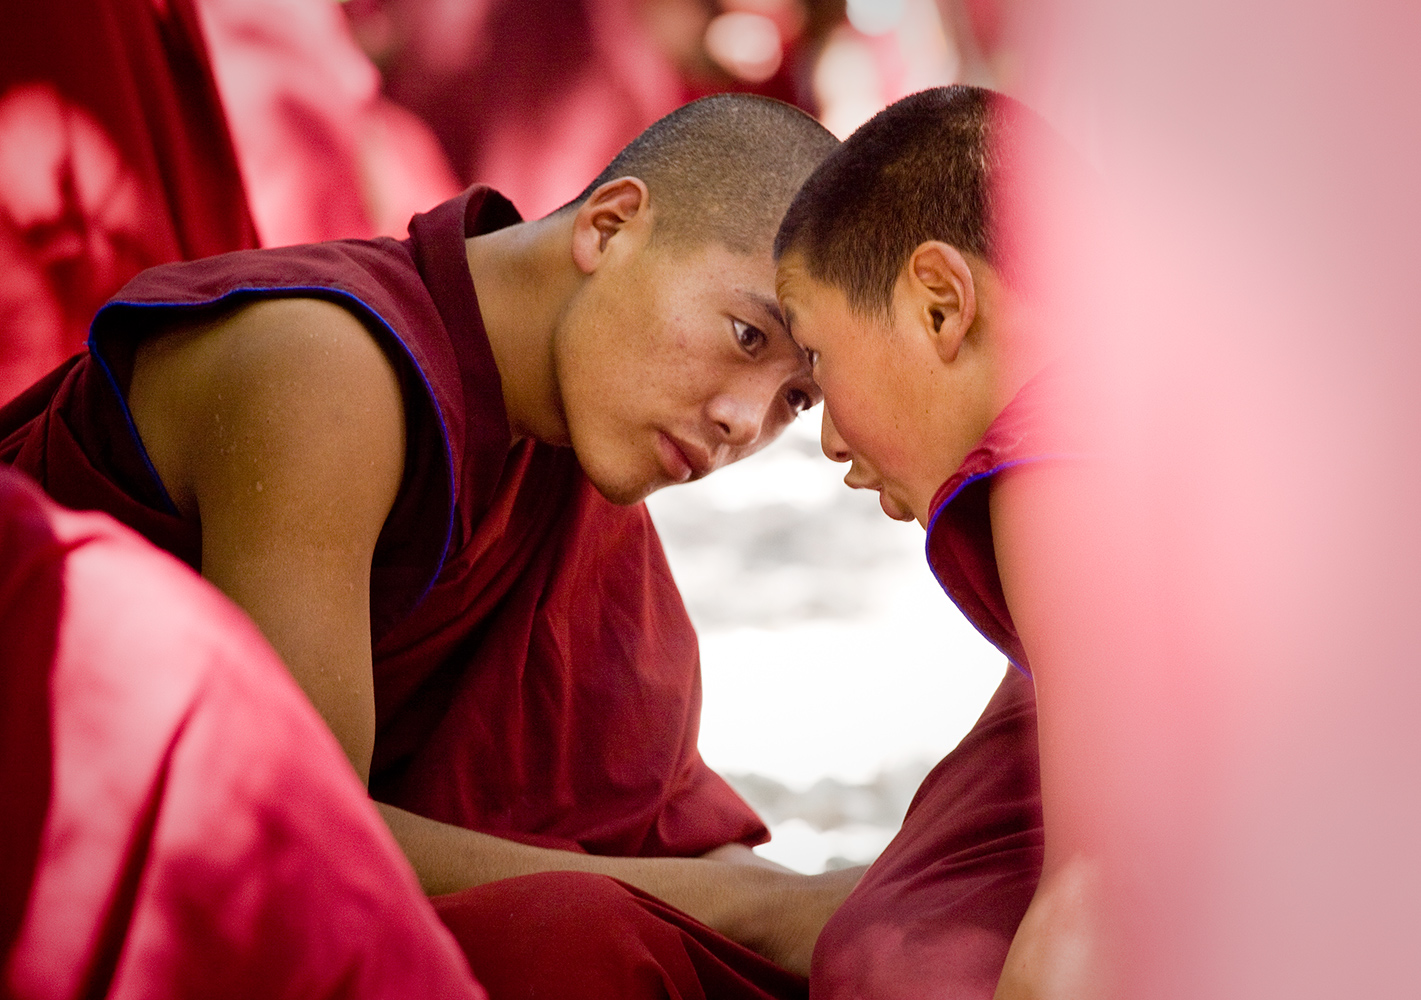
(671,361)
(657,362)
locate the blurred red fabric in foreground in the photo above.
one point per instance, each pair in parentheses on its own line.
(114,156)
(201,833)
(1238,576)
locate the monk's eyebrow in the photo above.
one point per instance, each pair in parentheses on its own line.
(770,306)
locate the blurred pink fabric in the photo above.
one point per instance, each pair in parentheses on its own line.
(531,98)
(323,155)
(1243,667)
(115,152)
(203,834)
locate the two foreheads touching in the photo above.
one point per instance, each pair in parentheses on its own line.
(754,174)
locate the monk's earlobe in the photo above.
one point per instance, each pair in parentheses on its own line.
(942,279)
(608,211)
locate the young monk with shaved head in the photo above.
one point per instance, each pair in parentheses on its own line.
(418,466)
(899,276)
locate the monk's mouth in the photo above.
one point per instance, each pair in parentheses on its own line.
(675,461)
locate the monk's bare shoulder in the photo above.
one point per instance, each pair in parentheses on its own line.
(280,427)
(292,387)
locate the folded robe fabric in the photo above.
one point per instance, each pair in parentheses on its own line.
(535,670)
(580,936)
(1031,428)
(934,916)
(200,833)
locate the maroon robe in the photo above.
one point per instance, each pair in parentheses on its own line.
(178,820)
(535,670)
(579,936)
(935,914)
(114,156)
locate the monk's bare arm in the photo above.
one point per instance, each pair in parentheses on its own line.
(281,427)
(1042,558)
(774,911)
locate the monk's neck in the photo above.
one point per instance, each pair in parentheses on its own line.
(524,276)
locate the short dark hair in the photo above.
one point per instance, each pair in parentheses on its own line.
(924,168)
(721,168)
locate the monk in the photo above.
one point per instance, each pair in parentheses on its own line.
(178,821)
(418,466)
(942,401)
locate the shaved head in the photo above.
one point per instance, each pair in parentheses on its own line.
(721,169)
(933,166)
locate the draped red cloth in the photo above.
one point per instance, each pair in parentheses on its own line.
(179,822)
(535,670)
(935,914)
(536,674)
(579,936)
(114,156)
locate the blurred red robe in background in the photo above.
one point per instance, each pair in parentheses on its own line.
(533,99)
(115,151)
(114,156)
(323,155)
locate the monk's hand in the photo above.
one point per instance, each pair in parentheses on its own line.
(784,921)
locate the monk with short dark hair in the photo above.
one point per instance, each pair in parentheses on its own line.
(418,466)
(898,278)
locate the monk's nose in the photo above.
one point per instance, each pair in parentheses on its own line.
(739,418)
(834,447)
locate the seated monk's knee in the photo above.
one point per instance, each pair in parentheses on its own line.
(876,953)
(571,935)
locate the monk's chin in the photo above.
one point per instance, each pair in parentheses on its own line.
(623,492)
(895,510)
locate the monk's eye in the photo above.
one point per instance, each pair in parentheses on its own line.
(750,338)
(798,400)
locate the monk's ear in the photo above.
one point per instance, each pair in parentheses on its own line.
(943,294)
(616,207)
